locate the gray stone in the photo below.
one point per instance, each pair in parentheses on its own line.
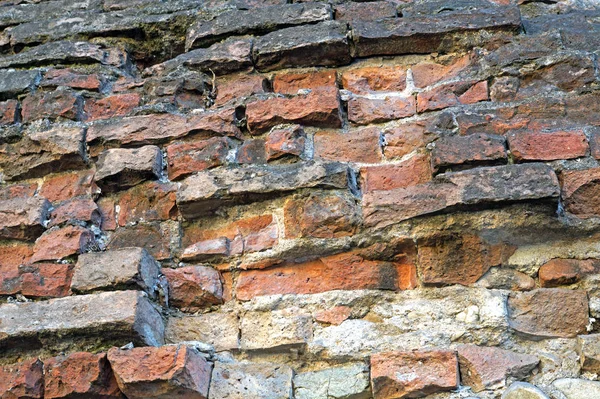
(471,187)
(523,390)
(118,268)
(231,55)
(49,9)
(574,388)
(323,44)
(60,52)
(110,316)
(589,352)
(210,189)
(218,329)
(428,34)
(257,20)
(278,330)
(13,83)
(251,381)
(23,218)
(123,167)
(345,382)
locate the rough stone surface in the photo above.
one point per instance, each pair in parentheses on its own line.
(125,168)
(192,288)
(22,380)
(574,388)
(23,219)
(276,330)
(348,381)
(217,329)
(523,390)
(589,353)
(252,381)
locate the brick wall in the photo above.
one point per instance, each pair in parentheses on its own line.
(267,199)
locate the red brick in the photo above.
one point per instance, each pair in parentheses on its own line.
(373,79)
(364,12)
(68,77)
(404,139)
(364,111)
(559,272)
(581,192)
(318,108)
(410,172)
(45,280)
(413,374)
(207,249)
(60,187)
(594,140)
(23,218)
(108,218)
(61,243)
(288,140)
(75,210)
(252,152)
(52,105)
(185,158)
(250,234)
(22,380)
(8,112)
(446,259)
(193,288)
(347,271)
(165,372)
(427,73)
(239,86)
(11,257)
(451,94)
(482,149)
(20,190)
(355,146)
(156,239)
(80,374)
(320,215)
(531,146)
(335,315)
(290,83)
(147,202)
(112,106)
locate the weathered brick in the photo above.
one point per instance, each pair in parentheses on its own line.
(579,192)
(428,34)
(452,94)
(251,381)
(213,188)
(61,187)
(217,329)
(285,141)
(367,80)
(404,139)
(238,87)
(489,367)
(277,330)
(532,146)
(23,218)
(559,272)
(8,112)
(147,202)
(506,279)
(322,44)
(111,106)
(79,373)
(150,129)
(122,315)
(45,280)
(365,12)
(127,267)
(356,146)
(335,315)
(548,313)
(413,171)
(252,152)
(169,371)
(185,158)
(320,108)
(43,151)
(60,243)
(19,190)
(124,167)
(320,215)
(478,186)
(348,271)
(154,237)
(22,380)
(467,150)
(254,20)
(75,211)
(419,373)
(207,249)
(108,219)
(53,105)
(364,111)
(70,78)
(192,288)
(293,82)
(428,73)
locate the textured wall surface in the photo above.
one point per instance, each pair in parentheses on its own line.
(266,199)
